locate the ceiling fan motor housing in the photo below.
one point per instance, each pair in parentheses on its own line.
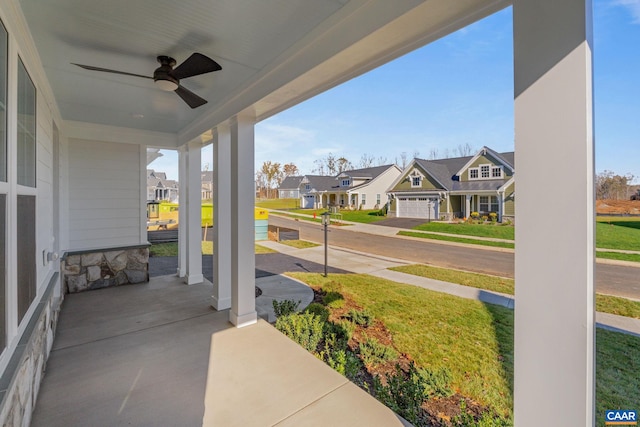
(162,75)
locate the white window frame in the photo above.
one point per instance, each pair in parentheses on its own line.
(497,169)
(346,182)
(363,199)
(378,199)
(307,187)
(485,169)
(477,173)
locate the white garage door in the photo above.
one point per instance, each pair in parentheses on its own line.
(308,202)
(417,207)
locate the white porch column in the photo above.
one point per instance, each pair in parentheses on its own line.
(243,301)
(467,206)
(182,212)
(222,218)
(554,260)
(194,215)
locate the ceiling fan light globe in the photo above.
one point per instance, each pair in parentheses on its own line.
(166,85)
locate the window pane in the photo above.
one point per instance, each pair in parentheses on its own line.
(3,102)
(26,128)
(26,253)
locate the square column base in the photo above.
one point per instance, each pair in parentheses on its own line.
(240,321)
(194,279)
(221,304)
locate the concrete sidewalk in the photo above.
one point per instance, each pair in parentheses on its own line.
(375,265)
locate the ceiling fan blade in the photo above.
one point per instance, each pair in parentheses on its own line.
(195,65)
(106,70)
(192,100)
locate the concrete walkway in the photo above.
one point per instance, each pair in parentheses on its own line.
(375,265)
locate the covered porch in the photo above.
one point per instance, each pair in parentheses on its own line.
(158,355)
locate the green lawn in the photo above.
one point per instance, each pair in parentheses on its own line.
(618,234)
(475,340)
(479,230)
(456,239)
(278,203)
(604,303)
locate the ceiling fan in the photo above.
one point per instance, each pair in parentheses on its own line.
(168,78)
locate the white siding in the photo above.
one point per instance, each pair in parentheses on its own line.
(380,185)
(104,194)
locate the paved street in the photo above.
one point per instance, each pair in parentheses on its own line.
(610,279)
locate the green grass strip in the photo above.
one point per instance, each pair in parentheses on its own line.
(618,256)
(299,244)
(604,303)
(456,239)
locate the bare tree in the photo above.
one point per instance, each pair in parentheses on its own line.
(433,154)
(416,154)
(366,161)
(464,150)
(612,186)
(290,169)
(403,160)
(381,161)
(272,175)
(342,164)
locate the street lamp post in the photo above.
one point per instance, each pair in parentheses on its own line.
(326,219)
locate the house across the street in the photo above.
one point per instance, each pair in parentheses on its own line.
(354,189)
(454,188)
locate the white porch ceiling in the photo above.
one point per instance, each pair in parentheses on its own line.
(273,53)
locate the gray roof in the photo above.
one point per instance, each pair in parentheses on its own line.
(290,183)
(369,173)
(323,182)
(444,170)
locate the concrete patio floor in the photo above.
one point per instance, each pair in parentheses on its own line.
(157,354)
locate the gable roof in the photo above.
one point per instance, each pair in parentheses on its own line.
(365,173)
(502,158)
(446,171)
(321,182)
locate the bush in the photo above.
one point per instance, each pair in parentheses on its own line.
(333,300)
(337,335)
(305,329)
(493,217)
(361,317)
(285,308)
(406,391)
(465,419)
(344,362)
(373,352)
(318,310)
(403,393)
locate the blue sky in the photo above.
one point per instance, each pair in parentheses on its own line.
(455,91)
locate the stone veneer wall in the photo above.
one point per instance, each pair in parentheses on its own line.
(95,269)
(20,382)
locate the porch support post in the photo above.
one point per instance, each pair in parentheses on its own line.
(500,197)
(554,259)
(182,213)
(243,301)
(222,218)
(467,205)
(194,215)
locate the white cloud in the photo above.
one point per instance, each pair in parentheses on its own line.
(633,6)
